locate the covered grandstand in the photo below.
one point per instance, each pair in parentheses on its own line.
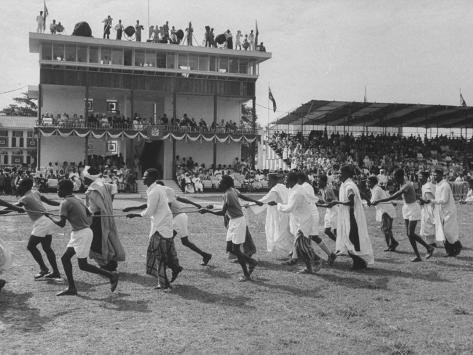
(373,116)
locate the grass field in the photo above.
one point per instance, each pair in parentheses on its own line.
(394,307)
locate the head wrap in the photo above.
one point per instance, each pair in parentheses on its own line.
(91,173)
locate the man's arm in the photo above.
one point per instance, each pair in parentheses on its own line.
(249,199)
(135,208)
(189,202)
(217,213)
(390,198)
(49,202)
(350,202)
(61,222)
(11,207)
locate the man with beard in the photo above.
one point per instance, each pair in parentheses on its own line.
(106,248)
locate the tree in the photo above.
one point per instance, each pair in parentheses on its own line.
(247,117)
(23,106)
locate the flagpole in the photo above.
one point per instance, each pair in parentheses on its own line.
(148,14)
(267,106)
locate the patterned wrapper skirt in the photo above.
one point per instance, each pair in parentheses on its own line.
(161,254)
(304,249)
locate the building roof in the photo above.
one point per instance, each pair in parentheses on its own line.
(17,122)
(373,114)
(35,39)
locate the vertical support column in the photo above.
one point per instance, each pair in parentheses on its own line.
(215,125)
(173,158)
(40,104)
(174,106)
(132,104)
(86,120)
(253,145)
(38,149)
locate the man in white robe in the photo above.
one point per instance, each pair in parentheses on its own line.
(352,230)
(279,239)
(445,211)
(427,219)
(301,222)
(312,200)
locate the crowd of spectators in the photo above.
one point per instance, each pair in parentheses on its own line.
(118,121)
(193,177)
(168,34)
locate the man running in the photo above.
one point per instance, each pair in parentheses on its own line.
(43,228)
(73,210)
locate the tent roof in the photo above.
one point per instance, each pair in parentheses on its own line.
(344,113)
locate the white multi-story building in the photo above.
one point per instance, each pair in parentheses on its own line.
(84,81)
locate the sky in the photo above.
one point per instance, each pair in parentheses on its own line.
(406,51)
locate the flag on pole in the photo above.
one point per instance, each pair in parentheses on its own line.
(462,101)
(45,14)
(256,34)
(365,99)
(271,97)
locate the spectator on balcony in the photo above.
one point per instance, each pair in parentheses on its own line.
(119,28)
(228,39)
(246,44)
(238,40)
(261,47)
(164,119)
(213,126)
(212,38)
(165,32)
(207,36)
(138,29)
(251,39)
(202,124)
(193,124)
(53,27)
(40,22)
(107,25)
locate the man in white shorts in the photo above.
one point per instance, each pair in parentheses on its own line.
(73,210)
(43,228)
(410,212)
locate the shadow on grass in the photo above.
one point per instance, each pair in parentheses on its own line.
(16,312)
(389,261)
(139,279)
(115,302)
(189,292)
(215,272)
(301,292)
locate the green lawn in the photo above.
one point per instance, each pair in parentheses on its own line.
(395,307)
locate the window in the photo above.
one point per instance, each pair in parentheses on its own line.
(82,54)
(3,133)
(233,65)
(17,139)
(161,60)
(93,55)
(150,59)
(170,61)
(183,59)
(223,65)
(128,57)
(139,58)
(5,159)
(106,56)
(213,63)
(117,56)
(243,67)
(70,53)
(46,51)
(194,62)
(58,52)
(204,63)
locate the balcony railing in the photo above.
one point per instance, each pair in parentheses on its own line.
(164,129)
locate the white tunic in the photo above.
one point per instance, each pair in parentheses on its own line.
(300,214)
(377,193)
(279,239)
(427,219)
(446,223)
(343,243)
(312,200)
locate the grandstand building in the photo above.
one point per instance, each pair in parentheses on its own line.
(106,97)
